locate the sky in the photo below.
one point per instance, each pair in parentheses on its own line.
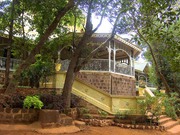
(105,27)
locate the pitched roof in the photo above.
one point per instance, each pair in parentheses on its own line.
(140,66)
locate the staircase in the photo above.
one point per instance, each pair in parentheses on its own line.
(104,101)
(169,124)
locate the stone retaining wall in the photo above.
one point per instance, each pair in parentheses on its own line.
(33,91)
(107,122)
(52,118)
(16,115)
(114,84)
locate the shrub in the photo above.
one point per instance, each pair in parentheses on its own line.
(155,105)
(103,114)
(152,104)
(32,101)
(4,100)
(14,100)
(122,115)
(172,105)
(52,101)
(83,110)
(84,113)
(75,100)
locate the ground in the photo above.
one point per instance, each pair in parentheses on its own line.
(90,130)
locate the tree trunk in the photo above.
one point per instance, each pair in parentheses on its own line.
(8,57)
(72,71)
(70,77)
(8,62)
(75,65)
(31,58)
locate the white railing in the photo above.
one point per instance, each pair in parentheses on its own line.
(13,64)
(102,65)
(123,68)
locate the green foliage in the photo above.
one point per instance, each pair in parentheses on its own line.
(155,105)
(152,75)
(38,71)
(84,113)
(103,114)
(83,110)
(87,116)
(152,105)
(122,114)
(158,24)
(32,101)
(172,105)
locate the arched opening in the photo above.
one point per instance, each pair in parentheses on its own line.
(142,80)
(123,62)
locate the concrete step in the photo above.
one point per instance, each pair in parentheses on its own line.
(170,124)
(163,116)
(164,120)
(175,129)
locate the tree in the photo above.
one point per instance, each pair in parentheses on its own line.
(11,23)
(103,8)
(149,19)
(38,71)
(59,14)
(167,56)
(162,37)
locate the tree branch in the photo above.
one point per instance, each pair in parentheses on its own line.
(102,16)
(153,56)
(85,61)
(43,39)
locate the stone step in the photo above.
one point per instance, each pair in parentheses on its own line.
(61,115)
(164,120)
(98,116)
(80,124)
(65,121)
(169,124)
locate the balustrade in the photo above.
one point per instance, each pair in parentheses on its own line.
(13,63)
(102,65)
(93,65)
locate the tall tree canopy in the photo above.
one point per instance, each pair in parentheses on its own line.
(51,20)
(152,21)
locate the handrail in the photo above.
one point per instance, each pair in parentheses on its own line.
(149,92)
(109,103)
(102,100)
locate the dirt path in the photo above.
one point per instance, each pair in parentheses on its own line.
(96,131)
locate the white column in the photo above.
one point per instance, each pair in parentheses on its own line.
(114,51)
(59,53)
(132,64)
(109,50)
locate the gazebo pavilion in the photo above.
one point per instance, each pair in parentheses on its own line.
(112,69)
